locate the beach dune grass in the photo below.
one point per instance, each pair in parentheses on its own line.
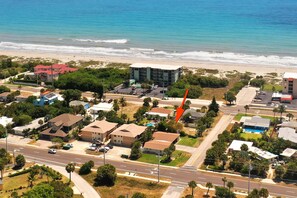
(179,158)
(127,186)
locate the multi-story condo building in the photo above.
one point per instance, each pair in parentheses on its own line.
(159,74)
(290,84)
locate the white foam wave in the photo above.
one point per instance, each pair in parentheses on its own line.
(117,41)
(223,57)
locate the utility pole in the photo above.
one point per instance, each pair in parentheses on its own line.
(249,183)
(159,167)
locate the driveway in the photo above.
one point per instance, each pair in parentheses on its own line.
(185,148)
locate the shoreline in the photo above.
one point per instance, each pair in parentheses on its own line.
(259,69)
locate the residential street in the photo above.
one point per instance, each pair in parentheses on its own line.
(199,154)
(180,175)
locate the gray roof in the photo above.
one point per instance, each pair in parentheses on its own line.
(288,152)
(257,121)
(194,113)
(288,134)
(291,124)
(77,103)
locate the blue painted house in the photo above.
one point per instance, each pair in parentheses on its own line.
(46,98)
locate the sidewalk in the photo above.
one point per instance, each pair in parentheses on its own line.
(81,186)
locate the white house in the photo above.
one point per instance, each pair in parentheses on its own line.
(4,121)
(103,106)
(236,145)
(33,125)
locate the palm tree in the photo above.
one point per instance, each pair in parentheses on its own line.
(275,110)
(290,116)
(224,179)
(281,110)
(208,185)
(123,103)
(230,185)
(192,185)
(70,168)
(246,107)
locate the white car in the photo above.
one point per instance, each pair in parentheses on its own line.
(52,151)
(92,148)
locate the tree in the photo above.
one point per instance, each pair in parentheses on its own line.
(203,109)
(61,190)
(101,115)
(246,108)
(138,195)
(2,167)
(146,102)
(214,106)
(224,159)
(281,110)
(230,185)
(290,116)
(71,94)
(135,151)
(192,185)
(230,97)
(116,106)
(20,161)
(41,190)
(14,194)
(22,120)
(275,110)
(123,103)
(155,103)
(58,142)
(4,89)
(222,192)
(224,179)
(70,168)
(2,131)
(86,168)
(187,104)
(208,185)
(279,172)
(263,192)
(194,91)
(244,147)
(106,175)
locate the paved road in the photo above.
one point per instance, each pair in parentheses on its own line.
(180,175)
(246,95)
(198,156)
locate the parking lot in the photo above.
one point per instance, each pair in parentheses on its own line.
(264,99)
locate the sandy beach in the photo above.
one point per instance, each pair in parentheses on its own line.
(65,57)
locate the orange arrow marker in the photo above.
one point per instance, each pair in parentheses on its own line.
(180,110)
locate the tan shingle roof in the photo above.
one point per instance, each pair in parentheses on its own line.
(67,119)
(161,141)
(161,110)
(100,126)
(129,130)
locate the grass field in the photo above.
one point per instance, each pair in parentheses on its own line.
(127,186)
(179,158)
(268,87)
(129,110)
(11,183)
(240,115)
(247,136)
(189,141)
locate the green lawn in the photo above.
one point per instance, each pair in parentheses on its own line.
(189,141)
(240,115)
(247,136)
(179,158)
(268,87)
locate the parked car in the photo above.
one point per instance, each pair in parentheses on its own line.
(103,149)
(92,148)
(124,156)
(110,100)
(110,146)
(52,151)
(66,147)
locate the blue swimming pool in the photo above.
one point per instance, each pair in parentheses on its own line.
(150,125)
(253,130)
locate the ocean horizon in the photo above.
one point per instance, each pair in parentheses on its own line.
(250,31)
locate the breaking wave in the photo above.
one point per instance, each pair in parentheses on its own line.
(116,41)
(224,57)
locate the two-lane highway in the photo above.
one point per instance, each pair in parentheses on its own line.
(181,175)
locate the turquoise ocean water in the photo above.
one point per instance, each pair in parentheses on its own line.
(247,31)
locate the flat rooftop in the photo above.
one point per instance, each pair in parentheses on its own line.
(290,75)
(156,66)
